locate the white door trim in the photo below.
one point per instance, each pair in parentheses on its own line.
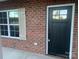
(72,26)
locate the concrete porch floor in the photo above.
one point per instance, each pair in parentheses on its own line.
(10,53)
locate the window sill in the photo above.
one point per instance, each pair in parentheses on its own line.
(8,37)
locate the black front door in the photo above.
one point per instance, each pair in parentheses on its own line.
(59,28)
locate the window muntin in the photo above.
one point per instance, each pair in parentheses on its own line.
(59,14)
(9,20)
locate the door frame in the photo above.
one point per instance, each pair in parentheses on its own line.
(72,26)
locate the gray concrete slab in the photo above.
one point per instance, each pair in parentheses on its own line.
(10,53)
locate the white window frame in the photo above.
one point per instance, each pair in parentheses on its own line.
(22,24)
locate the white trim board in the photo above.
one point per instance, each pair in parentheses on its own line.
(72,26)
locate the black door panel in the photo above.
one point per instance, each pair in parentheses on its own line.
(59,30)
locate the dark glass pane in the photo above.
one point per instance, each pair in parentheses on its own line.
(12,33)
(4,27)
(4,30)
(17,28)
(11,28)
(4,15)
(16,34)
(3,18)
(1,27)
(1,21)
(13,20)
(14,30)
(5,21)
(6,33)
(0,14)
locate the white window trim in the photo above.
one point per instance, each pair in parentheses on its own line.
(22,24)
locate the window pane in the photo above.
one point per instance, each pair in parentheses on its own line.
(11,27)
(4,30)
(4,33)
(17,34)
(56,17)
(14,28)
(3,21)
(14,31)
(63,17)
(13,20)
(55,12)
(13,17)
(4,27)
(3,18)
(63,11)
(4,14)
(13,14)
(0,14)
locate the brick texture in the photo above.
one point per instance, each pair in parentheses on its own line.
(35,24)
(75,38)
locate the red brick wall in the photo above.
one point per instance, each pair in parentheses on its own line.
(75,38)
(35,24)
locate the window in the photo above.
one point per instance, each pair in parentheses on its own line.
(59,14)
(13,24)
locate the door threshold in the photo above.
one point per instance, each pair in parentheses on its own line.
(58,55)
